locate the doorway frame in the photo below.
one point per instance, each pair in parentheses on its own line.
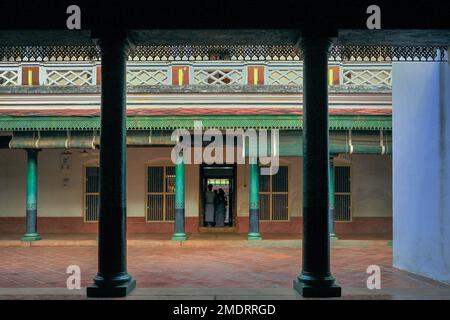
(233,198)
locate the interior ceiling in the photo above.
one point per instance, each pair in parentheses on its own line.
(207,22)
(229,37)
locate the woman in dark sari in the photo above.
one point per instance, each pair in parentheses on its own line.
(221,203)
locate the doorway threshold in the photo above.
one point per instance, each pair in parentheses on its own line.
(217,229)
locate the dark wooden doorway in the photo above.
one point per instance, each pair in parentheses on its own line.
(220,176)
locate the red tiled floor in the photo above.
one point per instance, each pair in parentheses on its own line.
(202,267)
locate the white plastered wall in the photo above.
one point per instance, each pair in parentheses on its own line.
(371,183)
(421,162)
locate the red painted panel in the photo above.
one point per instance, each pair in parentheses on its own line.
(35,75)
(99,76)
(176,75)
(335,74)
(251,75)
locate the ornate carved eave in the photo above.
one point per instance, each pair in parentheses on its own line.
(226,53)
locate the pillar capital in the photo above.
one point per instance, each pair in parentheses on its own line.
(32,150)
(109,44)
(113,41)
(315,45)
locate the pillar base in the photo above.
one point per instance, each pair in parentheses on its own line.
(254,236)
(110,290)
(31,237)
(333,291)
(179,237)
(312,287)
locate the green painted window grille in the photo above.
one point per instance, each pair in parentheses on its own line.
(342,193)
(160,193)
(91,193)
(274,196)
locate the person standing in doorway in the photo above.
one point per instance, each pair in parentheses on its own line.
(221,203)
(210,200)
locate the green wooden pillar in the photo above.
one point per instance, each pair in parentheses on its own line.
(253,230)
(179,227)
(32,189)
(315,280)
(112,279)
(331,196)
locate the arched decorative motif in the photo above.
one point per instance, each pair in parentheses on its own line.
(225,53)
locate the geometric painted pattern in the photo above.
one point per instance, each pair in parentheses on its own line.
(365,76)
(9,77)
(141,76)
(288,76)
(74,77)
(218,76)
